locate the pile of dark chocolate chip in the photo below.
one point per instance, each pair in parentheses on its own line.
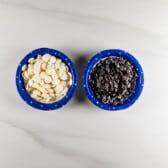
(113,80)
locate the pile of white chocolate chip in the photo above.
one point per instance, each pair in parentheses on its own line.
(46,78)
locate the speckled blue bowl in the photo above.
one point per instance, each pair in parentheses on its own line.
(117,53)
(20,83)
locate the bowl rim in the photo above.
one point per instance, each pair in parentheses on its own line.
(20,82)
(110,53)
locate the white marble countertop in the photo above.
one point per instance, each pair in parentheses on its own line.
(81,135)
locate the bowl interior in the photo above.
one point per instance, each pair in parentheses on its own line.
(117,53)
(20,82)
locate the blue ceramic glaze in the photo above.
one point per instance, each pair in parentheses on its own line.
(117,53)
(20,82)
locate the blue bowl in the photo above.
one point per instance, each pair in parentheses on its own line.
(117,53)
(20,82)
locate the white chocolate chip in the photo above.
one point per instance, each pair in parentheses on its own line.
(37,67)
(46,57)
(39,57)
(65,91)
(60,73)
(35,85)
(63,83)
(52,95)
(30,82)
(59,60)
(24,67)
(57,65)
(54,76)
(52,59)
(50,90)
(43,66)
(59,88)
(45,95)
(47,86)
(47,100)
(36,79)
(42,83)
(70,82)
(31,60)
(28,88)
(63,68)
(59,97)
(69,75)
(50,69)
(64,76)
(30,71)
(56,82)
(47,79)
(39,98)
(25,75)
(42,89)
(35,93)
(42,75)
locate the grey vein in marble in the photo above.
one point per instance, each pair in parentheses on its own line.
(59,149)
